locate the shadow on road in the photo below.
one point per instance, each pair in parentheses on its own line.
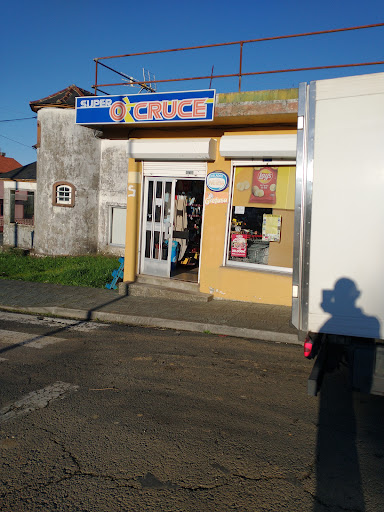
(61,329)
(338,475)
(350,439)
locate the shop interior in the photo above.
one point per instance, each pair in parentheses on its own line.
(187,224)
(249,224)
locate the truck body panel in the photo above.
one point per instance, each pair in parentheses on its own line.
(339,243)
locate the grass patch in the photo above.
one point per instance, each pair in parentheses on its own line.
(94,271)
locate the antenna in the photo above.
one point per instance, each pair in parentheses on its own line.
(145,85)
(149,78)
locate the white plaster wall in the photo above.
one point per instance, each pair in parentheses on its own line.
(67,152)
(113,189)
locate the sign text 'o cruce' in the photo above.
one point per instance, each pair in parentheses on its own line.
(146,108)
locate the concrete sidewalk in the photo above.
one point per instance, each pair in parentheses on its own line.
(241,319)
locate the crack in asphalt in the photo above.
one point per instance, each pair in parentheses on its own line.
(65,451)
(150,482)
(305,476)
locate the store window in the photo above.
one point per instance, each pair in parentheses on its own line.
(262,214)
(22,207)
(63,194)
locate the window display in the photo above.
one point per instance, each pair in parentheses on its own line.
(261,224)
(247,245)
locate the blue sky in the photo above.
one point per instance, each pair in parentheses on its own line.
(47,46)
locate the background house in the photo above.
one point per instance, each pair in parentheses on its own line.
(6,164)
(19,189)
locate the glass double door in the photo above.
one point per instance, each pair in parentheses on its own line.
(158,214)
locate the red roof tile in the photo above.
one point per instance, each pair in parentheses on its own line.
(8,164)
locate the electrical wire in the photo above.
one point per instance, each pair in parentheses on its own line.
(26,145)
(19,119)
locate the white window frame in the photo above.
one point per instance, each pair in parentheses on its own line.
(61,197)
(110,233)
(256,267)
(58,187)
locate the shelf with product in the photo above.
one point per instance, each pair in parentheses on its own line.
(246,239)
(188,222)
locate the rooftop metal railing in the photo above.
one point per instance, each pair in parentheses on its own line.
(148,85)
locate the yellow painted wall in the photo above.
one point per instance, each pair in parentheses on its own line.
(235,283)
(133,223)
(252,286)
(281,253)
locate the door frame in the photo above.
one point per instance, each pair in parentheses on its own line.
(143,211)
(158,266)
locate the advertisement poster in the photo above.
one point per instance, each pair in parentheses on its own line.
(238,245)
(271,228)
(216,197)
(265,186)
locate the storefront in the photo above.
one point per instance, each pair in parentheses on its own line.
(209,200)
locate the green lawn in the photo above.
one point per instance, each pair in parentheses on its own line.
(94,271)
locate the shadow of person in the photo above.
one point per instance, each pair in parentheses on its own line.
(347,318)
(339,483)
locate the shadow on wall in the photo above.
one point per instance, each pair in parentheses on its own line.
(342,482)
(346,317)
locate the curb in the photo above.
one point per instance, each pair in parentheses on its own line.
(145,321)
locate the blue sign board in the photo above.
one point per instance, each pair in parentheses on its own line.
(162,107)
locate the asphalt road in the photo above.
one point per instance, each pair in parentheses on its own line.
(106,418)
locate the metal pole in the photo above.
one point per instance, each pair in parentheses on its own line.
(95,86)
(210,82)
(253,73)
(241,64)
(303,34)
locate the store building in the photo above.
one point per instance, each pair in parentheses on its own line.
(200,185)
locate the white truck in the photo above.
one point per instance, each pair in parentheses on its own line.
(338,275)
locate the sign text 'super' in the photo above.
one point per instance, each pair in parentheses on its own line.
(139,108)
